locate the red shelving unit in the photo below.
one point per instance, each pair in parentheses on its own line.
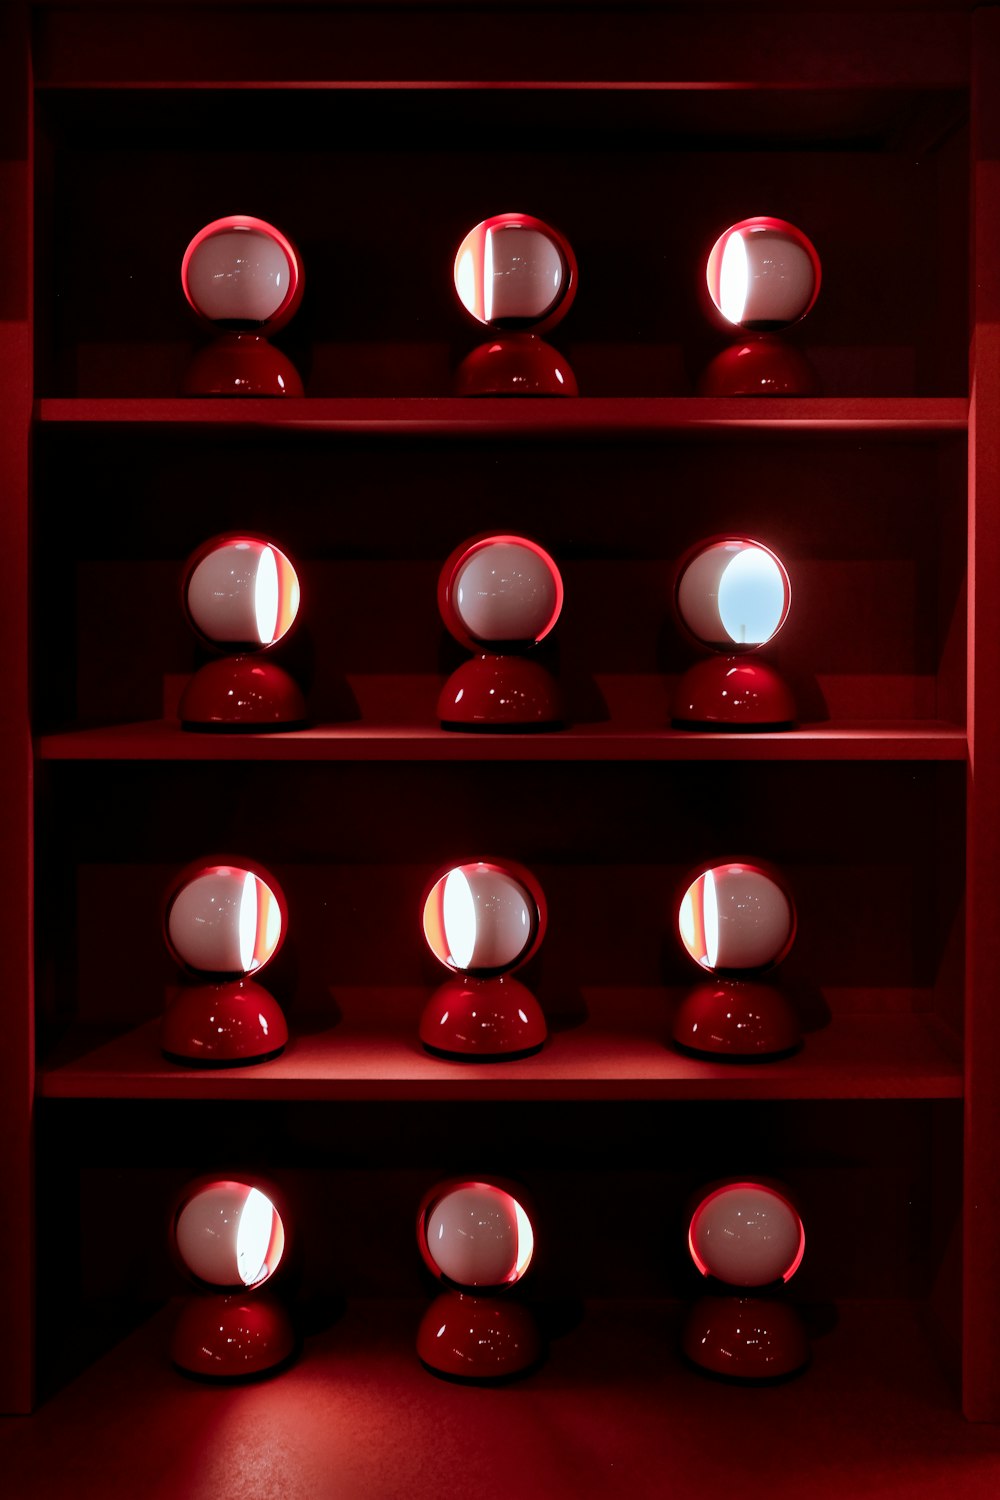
(875,128)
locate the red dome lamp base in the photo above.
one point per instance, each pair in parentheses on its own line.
(759,367)
(736,1018)
(483,1019)
(745,1338)
(223,1025)
(731,692)
(232,1337)
(516,364)
(241,693)
(241,364)
(478,1338)
(500,692)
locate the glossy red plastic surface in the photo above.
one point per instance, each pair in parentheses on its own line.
(238,222)
(501,692)
(728,692)
(478,1338)
(223,1025)
(241,692)
(232,1338)
(484,1018)
(518,364)
(763,366)
(736,1018)
(241,364)
(745,1338)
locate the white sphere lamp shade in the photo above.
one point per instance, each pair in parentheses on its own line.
(242,273)
(479,919)
(230,1235)
(514,271)
(242,591)
(746,1234)
(225,920)
(763,274)
(736,917)
(478,1235)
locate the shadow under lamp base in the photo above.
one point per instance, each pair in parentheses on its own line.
(759,367)
(500,692)
(735,1018)
(241,364)
(483,1020)
(515,364)
(241,693)
(223,1026)
(467,1337)
(732,693)
(232,1337)
(745,1338)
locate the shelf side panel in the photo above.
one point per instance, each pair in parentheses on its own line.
(16,1068)
(982,1137)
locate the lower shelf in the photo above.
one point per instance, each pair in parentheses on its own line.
(619,1052)
(613,1412)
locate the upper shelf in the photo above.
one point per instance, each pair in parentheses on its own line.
(875,741)
(597,416)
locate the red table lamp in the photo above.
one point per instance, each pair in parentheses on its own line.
(223,924)
(482,920)
(476,1237)
(230,1239)
(763,275)
(746,1235)
(244,280)
(500,596)
(241,597)
(516,276)
(736,921)
(732,596)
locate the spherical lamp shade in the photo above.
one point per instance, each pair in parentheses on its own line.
(763,274)
(500,596)
(229,1236)
(482,920)
(223,924)
(736,917)
(733,596)
(736,920)
(746,1234)
(514,271)
(241,272)
(241,591)
(243,279)
(476,1237)
(516,276)
(241,596)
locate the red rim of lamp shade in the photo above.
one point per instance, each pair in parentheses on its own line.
(752,1334)
(482,1013)
(730,690)
(732,1013)
(501,686)
(227,1019)
(230,1237)
(241,690)
(474,1331)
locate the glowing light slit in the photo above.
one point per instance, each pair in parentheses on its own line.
(525,1241)
(248,924)
(253,1238)
(488,276)
(265,597)
(459,915)
(734,279)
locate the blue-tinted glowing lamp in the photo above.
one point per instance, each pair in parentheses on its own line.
(732,596)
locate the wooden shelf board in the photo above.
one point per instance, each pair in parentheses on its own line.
(611,1411)
(621,1052)
(165,740)
(582,418)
